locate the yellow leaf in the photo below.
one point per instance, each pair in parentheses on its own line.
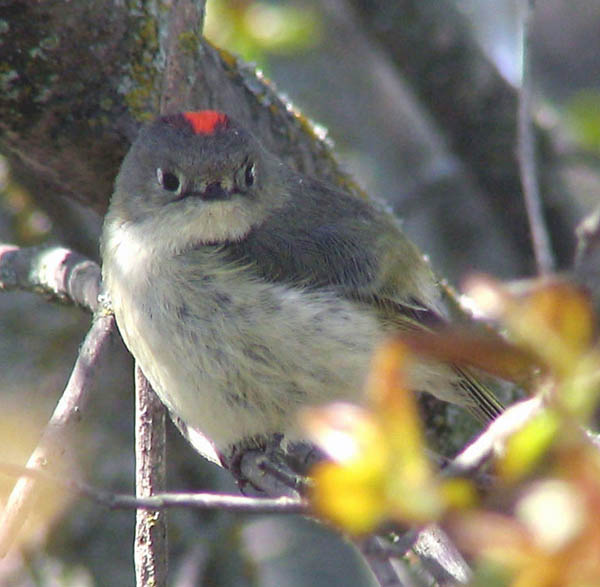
(458,493)
(528,445)
(350,496)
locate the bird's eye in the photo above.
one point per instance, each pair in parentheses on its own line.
(168,180)
(250,174)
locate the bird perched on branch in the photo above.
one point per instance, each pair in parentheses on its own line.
(246,290)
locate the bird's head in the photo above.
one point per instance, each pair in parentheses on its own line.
(196,178)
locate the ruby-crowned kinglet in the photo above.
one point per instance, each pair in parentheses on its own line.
(246,290)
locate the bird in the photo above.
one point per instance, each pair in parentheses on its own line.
(247,291)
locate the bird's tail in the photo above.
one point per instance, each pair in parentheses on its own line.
(479,399)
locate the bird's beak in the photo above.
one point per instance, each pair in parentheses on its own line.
(212,192)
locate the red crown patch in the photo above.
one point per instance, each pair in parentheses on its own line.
(205,122)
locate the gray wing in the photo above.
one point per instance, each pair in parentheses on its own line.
(327,239)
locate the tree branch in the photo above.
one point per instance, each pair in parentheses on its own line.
(527,156)
(56,272)
(150,544)
(51,449)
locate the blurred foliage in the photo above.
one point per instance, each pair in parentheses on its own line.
(20,427)
(583,118)
(380,469)
(30,225)
(255,28)
(536,525)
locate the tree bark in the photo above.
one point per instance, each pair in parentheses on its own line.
(79,78)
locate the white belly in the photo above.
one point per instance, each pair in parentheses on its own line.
(236,357)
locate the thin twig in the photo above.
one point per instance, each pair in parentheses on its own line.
(493,438)
(527,156)
(380,555)
(378,547)
(55,440)
(440,557)
(587,260)
(150,545)
(163,501)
